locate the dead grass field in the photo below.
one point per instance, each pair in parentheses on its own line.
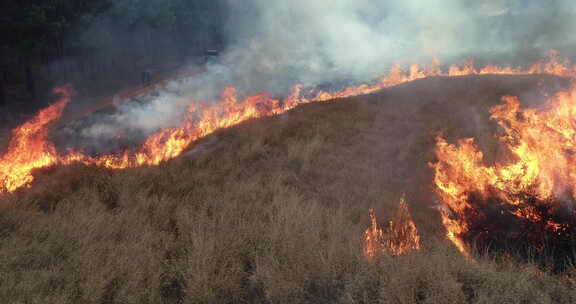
(272,211)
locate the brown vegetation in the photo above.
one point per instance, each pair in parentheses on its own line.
(272,211)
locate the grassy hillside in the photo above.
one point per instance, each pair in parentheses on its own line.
(272,211)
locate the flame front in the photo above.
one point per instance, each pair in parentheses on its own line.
(205,119)
(400,237)
(536,184)
(29,148)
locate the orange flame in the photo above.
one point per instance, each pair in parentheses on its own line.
(29,149)
(400,237)
(373,237)
(170,143)
(542,145)
(201,121)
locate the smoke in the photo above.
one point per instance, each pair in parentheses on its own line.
(316,41)
(322,41)
(272,45)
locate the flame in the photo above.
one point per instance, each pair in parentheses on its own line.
(373,237)
(204,120)
(29,148)
(201,121)
(400,237)
(542,165)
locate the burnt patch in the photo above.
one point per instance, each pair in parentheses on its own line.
(536,230)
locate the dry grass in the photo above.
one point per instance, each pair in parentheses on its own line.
(272,211)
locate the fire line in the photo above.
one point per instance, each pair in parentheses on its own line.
(30,149)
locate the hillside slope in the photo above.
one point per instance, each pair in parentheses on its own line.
(272,211)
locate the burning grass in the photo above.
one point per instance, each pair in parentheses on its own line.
(275,214)
(202,119)
(525,201)
(399,237)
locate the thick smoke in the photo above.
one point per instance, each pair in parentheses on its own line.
(272,45)
(319,41)
(322,41)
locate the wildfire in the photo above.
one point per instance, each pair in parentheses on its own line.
(529,196)
(29,148)
(400,237)
(373,237)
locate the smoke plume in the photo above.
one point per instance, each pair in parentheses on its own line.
(272,45)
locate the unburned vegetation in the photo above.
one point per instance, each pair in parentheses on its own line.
(273,211)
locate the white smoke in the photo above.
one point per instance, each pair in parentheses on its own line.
(274,44)
(320,41)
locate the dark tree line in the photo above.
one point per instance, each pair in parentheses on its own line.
(43,42)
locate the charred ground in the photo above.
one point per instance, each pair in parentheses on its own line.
(273,211)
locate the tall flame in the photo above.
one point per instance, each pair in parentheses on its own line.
(373,237)
(542,144)
(29,148)
(400,237)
